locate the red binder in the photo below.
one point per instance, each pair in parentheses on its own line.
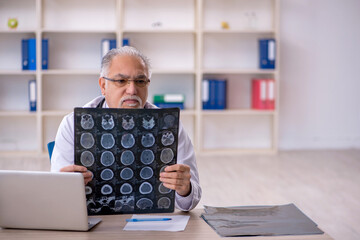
(263,94)
(259,94)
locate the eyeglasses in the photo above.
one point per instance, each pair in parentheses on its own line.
(141,81)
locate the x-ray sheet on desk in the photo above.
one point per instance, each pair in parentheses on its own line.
(259,221)
(126,149)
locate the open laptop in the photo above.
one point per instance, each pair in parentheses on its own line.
(44,200)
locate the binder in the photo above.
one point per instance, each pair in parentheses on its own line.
(205,94)
(170,105)
(24,54)
(44,53)
(126,42)
(221,89)
(32,95)
(32,53)
(212,94)
(267,53)
(259,94)
(270,96)
(107,45)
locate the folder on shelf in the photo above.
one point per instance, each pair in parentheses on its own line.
(267,53)
(44,53)
(263,94)
(214,93)
(169,100)
(32,53)
(126,42)
(107,45)
(32,95)
(270,94)
(24,54)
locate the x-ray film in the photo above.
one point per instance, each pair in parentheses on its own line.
(126,149)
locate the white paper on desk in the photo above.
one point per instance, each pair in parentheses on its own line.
(177,223)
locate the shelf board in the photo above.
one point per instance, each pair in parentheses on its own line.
(18,31)
(236,151)
(55,113)
(17,114)
(173,71)
(228,112)
(71,72)
(144,30)
(239,71)
(187,112)
(44,30)
(239,31)
(17,72)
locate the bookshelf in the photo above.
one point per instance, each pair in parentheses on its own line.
(183,39)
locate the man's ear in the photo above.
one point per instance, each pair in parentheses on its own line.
(102,85)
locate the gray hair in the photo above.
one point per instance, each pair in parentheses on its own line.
(123,51)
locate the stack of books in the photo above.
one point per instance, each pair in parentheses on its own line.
(214,93)
(263,94)
(28,54)
(169,100)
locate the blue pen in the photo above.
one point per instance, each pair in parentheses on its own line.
(147,219)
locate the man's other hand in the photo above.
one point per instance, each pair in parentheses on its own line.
(77,168)
(177,177)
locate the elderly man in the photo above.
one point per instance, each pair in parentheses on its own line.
(124,80)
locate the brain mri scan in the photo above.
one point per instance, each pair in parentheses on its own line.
(125,150)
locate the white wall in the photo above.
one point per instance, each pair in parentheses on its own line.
(320,83)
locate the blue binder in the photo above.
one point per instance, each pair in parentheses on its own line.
(126,42)
(221,89)
(32,95)
(44,53)
(24,54)
(112,43)
(267,52)
(32,53)
(170,105)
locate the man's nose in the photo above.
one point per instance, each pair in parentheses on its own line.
(131,88)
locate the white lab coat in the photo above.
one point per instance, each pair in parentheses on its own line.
(63,154)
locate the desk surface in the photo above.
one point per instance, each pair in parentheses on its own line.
(112,226)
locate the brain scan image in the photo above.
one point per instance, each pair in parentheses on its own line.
(107,158)
(147,157)
(148,140)
(145,188)
(106,189)
(107,140)
(88,190)
(87,121)
(167,138)
(144,203)
(106,174)
(166,155)
(162,169)
(125,150)
(87,140)
(125,204)
(169,121)
(146,173)
(164,202)
(126,188)
(107,122)
(148,122)
(127,140)
(87,159)
(163,190)
(128,122)
(126,173)
(127,157)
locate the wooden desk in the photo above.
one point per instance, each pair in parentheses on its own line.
(112,226)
